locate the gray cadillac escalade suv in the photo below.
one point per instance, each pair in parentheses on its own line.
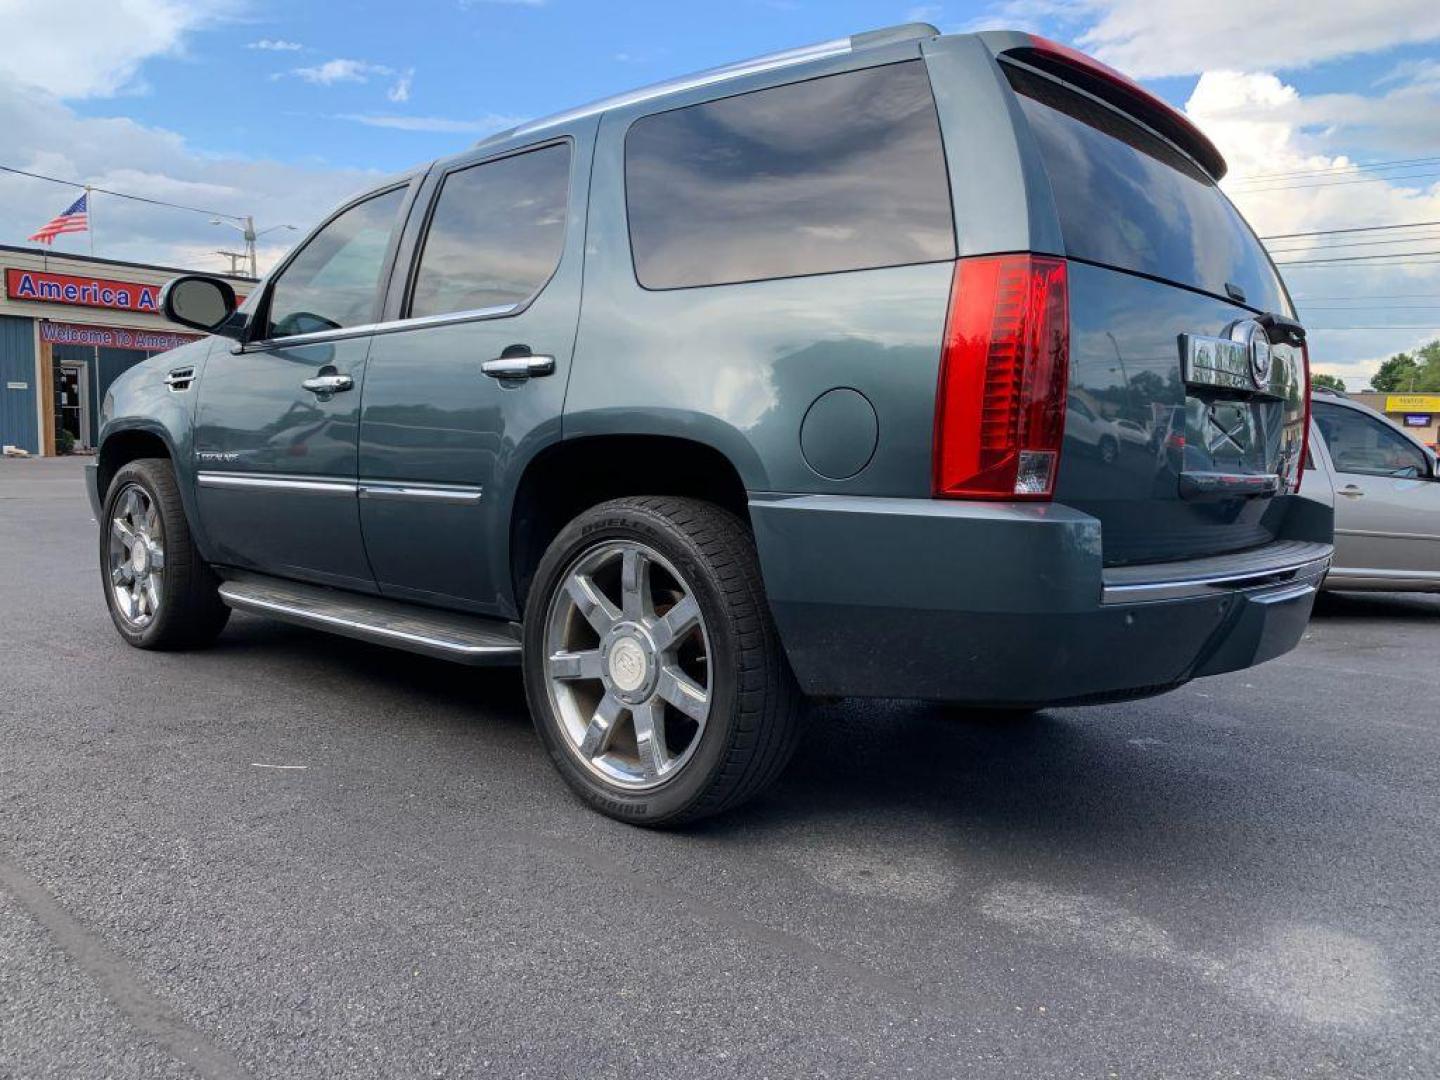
(905,365)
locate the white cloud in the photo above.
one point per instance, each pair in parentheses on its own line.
(341,70)
(96,52)
(480,125)
(400,89)
(1264,127)
(276,45)
(1182,37)
(46,136)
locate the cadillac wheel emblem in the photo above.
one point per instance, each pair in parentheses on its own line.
(1256,341)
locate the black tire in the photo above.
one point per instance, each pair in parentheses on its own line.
(756,707)
(190,613)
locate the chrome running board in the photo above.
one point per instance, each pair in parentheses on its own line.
(448,635)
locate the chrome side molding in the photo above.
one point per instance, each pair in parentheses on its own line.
(314,485)
(456,494)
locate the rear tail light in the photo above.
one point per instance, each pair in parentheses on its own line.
(1297,465)
(1000,407)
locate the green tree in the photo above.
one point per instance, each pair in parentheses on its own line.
(1329,382)
(1410,373)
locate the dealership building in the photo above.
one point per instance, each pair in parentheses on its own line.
(70,324)
(1418,414)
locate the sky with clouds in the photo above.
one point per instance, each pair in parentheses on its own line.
(1328,112)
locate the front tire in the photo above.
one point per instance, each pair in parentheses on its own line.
(161,593)
(653,670)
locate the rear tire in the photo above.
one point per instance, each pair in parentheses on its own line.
(638,604)
(160,592)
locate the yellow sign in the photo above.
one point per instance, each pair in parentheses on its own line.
(1412,403)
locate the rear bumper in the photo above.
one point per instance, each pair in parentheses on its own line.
(1009,604)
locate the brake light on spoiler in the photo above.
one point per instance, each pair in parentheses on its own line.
(1124,93)
(1000,405)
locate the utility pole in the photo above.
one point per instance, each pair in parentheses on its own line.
(237,260)
(246,228)
(250,242)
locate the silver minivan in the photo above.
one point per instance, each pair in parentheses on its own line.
(1387,498)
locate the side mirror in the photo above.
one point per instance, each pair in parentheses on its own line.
(204,303)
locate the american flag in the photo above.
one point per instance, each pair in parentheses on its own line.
(76,219)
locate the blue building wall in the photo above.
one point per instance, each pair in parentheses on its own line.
(18,420)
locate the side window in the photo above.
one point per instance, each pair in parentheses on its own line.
(845,172)
(1362,444)
(497,233)
(334,281)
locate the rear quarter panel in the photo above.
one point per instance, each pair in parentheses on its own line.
(737,366)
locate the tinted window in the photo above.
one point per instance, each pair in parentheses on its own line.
(1128,199)
(840,173)
(1362,444)
(496,235)
(334,281)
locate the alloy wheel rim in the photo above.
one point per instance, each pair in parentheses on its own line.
(627,665)
(137,557)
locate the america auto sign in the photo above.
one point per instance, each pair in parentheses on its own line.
(81,291)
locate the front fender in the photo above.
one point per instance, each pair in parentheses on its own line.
(140,401)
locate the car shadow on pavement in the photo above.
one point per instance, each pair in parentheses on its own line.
(371,669)
(1359,605)
(1117,781)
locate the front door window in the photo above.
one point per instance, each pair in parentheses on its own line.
(334,281)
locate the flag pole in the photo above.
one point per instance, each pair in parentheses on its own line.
(90,218)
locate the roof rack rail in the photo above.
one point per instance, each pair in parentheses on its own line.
(890,35)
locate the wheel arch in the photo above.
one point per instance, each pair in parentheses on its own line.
(123,445)
(567,477)
(129,440)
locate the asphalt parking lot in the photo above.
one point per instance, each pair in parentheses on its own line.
(1240,879)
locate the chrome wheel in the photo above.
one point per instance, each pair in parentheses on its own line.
(137,556)
(627,664)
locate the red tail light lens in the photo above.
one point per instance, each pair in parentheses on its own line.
(1000,409)
(1298,465)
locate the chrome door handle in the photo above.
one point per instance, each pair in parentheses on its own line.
(519,367)
(328,384)
(1352,491)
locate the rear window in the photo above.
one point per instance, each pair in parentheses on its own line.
(1128,199)
(844,172)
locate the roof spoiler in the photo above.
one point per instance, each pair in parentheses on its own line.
(1110,86)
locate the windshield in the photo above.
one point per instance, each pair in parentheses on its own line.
(1128,199)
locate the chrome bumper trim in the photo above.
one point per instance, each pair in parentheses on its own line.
(1297,566)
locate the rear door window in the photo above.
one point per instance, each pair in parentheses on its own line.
(496,235)
(1128,199)
(844,172)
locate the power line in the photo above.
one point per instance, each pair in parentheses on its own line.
(1243,189)
(121,194)
(1356,243)
(1373,296)
(1405,326)
(1358,228)
(1329,264)
(1356,258)
(1338,168)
